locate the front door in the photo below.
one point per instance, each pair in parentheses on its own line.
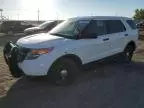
(97,47)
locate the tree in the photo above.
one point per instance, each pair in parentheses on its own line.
(139,14)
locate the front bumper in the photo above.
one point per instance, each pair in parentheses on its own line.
(19,67)
(10,53)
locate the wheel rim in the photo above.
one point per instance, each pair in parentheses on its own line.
(129,53)
(62,77)
(63,74)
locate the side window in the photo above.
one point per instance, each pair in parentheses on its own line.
(115,26)
(96,27)
(131,24)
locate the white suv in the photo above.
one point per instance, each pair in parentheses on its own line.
(73,43)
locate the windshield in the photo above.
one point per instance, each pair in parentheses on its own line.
(69,28)
(44,25)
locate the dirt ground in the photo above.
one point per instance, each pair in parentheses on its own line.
(6,80)
(102,82)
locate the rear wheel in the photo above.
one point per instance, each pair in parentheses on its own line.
(63,72)
(128,53)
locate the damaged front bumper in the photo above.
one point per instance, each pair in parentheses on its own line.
(13,54)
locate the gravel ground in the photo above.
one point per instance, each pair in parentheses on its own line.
(109,85)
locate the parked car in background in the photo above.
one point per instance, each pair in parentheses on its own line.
(11,27)
(42,28)
(70,45)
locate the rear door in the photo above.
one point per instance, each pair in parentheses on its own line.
(116,31)
(101,45)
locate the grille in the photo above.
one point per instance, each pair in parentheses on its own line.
(21,54)
(15,52)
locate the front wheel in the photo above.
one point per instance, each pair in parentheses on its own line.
(63,72)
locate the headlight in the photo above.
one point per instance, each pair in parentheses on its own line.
(35,53)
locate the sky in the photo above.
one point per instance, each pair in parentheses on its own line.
(62,9)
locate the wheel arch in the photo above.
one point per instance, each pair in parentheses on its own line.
(132,43)
(73,57)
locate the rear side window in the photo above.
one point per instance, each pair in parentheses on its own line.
(131,24)
(115,26)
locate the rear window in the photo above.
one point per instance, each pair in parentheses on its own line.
(131,24)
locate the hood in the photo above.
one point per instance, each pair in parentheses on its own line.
(41,40)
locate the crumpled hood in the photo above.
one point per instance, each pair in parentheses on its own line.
(40,41)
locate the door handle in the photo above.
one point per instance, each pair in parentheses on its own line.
(105,39)
(126,34)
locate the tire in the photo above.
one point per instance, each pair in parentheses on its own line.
(63,72)
(128,53)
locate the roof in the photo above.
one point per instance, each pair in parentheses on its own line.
(98,17)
